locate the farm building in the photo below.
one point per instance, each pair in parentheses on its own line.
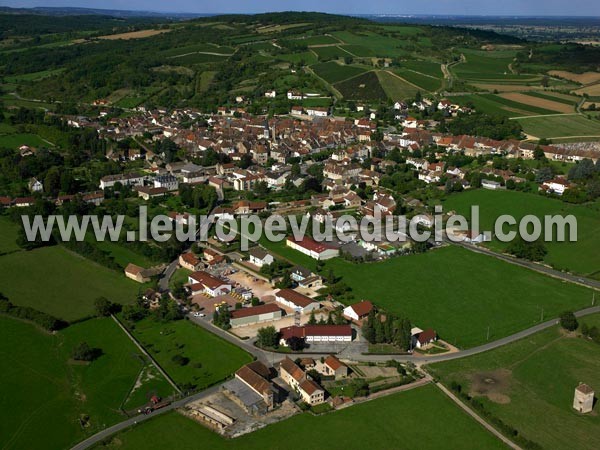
(137,273)
(583,400)
(358,311)
(255,314)
(312,248)
(208,284)
(296,301)
(190,261)
(316,333)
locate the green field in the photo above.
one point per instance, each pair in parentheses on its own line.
(362,87)
(532,385)
(394,87)
(422,418)
(332,52)
(561,126)
(61,283)
(459,293)
(16,140)
(580,256)
(560,98)
(8,235)
(195,48)
(379,45)
(120,253)
(358,50)
(44,393)
(211,358)
(430,68)
(425,82)
(333,72)
(495,105)
(307,57)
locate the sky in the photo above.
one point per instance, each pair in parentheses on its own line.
(429,7)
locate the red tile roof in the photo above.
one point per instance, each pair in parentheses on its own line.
(363,308)
(206,279)
(296,298)
(311,244)
(310,387)
(292,368)
(427,336)
(315,330)
(333,362)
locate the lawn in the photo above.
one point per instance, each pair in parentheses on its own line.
(560,126)
(61,283)
(422,418)
(44,393)
(529,384)
(8,235)
(333,72)
(580,256)
(460,293)
(211,359)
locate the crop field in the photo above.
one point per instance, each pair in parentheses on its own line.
(196,58)
(581,78)
(555,96)
(61,283)
(44,392)
(362,87)
(307,57)
(318,40)
(479,66)
(430,68)
(358,50)
(34,76)
(332,72)
(425,82)
(331,52)
(381,46)
(592,90)
(197,48)
(539,102)
(580,256)
(560,126)
(442,289)
(211,359)
(134,34)
(538,373)
(494,104)
(394,87)
(394,422)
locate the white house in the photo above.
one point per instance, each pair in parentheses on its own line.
(317,112)
(260,257)
(128,179)
(556,186)
(358,311)
(316,250)
(296,301)
(203,282)
(294,95)
(490,184)
(35,185)
(166,181)
(271,94)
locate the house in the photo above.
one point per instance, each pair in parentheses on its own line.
(358,311)
(35,185)
(310,392)
(422,339)
(425,220)
(556,186)
(21,202)
(316,333)
(147,192)
(208,284)
(490,184)
(190,261)
(251,389)
(296,301)
(317,112)
(310,247)
(294,95)
(137,273)
(255,314)
(5,202)
(166,181)
(127,179)
(332,367)
(583,400)
(271,94)
(260,257)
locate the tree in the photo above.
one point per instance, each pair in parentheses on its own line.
(267,337)
(312,320)
(533,251)
(103,307)
(368,327)
(180,360)
(295,343)
(83,352)
(568,321)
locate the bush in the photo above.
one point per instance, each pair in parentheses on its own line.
(83,352)
(180,360)
(568,321)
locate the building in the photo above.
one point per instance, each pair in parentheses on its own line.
(583,400)
(333,367)
(358,311)
(208,284)
(309,391)
(556,186)
(168,182)
(251,388)
(296,301)
(127,179)
(316,333)
(317,112)
(312,248)
(255,314)
(147,192)
(260,257)
(423,339)
(190,261)
(137,273)
(490,184)
(35,185)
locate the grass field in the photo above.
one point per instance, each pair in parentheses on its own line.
(379,45)
(555,96)
(430,68)
(211,358)
(529,384)
(425,82)
(333,72)
(332,52)
(16,140)
(44,393)
(197,48)
(395,422)
(362,87)
(580,256)
(8,235)
(61,283)
(308,57)
(494,104)
(560,126)
(394,87)
(459,293)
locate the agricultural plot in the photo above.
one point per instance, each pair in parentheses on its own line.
(580,256)
(555,96)
(358,50)
(539,102)
(381,46)
(318,40)
(332,52)
(16,140)
(495,104)
(457,306)
(396,421)
(198,48)
(209,358)
(560,126)
(45,393)
(581,78)
(134,35)
(332,72)
(425,82)
(362,87)
(307,57)
(395,87)
(535,374)
(35,76)
(196,58)
(425,67)
(481,66)
(61,283)
(8,236)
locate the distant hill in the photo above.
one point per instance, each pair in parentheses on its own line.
(67,11)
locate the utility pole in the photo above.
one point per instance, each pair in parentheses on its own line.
(542,318)
(488,333)
(593,298)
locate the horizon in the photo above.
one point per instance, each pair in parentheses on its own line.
(427,8)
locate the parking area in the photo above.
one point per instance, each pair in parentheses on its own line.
(259,288)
